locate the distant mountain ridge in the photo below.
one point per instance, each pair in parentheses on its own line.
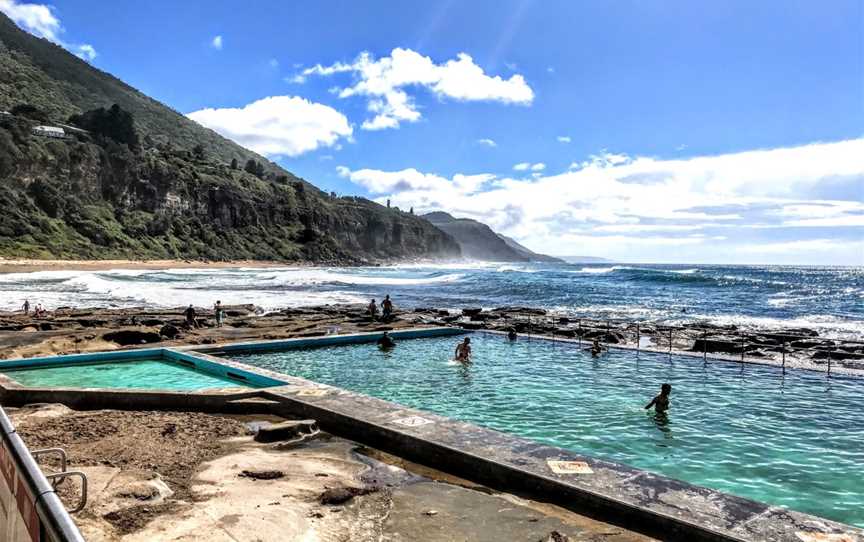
(479,242)
(160,185)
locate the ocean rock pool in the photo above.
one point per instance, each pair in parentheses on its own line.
(135,374)
(794,440)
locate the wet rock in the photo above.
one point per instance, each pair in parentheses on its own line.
(286,430)
(471,325)
(471,312)
(341,495)
(127,337)
(611,337)
(169,331)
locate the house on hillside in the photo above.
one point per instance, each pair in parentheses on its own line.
(49,131)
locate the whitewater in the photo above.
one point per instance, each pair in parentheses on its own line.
(828,299)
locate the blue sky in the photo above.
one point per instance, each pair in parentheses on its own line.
(640,131)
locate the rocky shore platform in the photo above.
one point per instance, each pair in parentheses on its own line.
(202,477)
(73,330)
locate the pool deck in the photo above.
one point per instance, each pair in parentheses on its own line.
(656,505)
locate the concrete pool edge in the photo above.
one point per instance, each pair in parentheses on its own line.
(616,493)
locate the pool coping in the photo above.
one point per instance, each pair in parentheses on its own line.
(655,504)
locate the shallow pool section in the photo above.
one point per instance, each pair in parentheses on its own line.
(136,374)
(795,440)
(152,369)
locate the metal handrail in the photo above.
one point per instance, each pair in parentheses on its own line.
(52,451)
(58,477)
(705,332)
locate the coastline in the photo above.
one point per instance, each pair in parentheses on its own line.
(24,265)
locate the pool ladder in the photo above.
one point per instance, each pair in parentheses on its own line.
(57,478)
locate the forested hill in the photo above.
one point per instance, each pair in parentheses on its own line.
(132,178)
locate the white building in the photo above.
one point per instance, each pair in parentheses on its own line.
(49,131)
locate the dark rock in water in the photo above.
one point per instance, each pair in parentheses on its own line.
(340,495)
(443,312)
(834,355)
(520,310)
(169,331)
(471,312)
(721,345)
(810,344)
(471,325)
(127,337)
(286,430)
(45,326)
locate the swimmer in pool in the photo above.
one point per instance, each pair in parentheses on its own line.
(463,351)
(511,335)
(386,342)
(661,402)
(596,349)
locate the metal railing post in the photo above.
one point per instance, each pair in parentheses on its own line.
(742,348)
(670,341)
(638,338)
(705,347)
(784,358)
(579,332)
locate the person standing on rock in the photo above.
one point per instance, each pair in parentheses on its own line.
(220,314)
(386,308)
(26,307)
(373,309)
(190,317)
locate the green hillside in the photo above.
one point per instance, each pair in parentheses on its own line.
(146,182)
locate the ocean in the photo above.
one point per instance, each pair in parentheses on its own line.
(827,299)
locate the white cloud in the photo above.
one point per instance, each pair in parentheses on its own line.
(273,63)
(216,43)
(278,125)
(384,82)
(564,139)
(87,52)
(41,20)
(487,142)
(619,206)
(525,166)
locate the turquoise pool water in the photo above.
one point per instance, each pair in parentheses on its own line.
(796,441)
(138,374)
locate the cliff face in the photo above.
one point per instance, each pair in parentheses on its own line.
(174,195)
(479,242)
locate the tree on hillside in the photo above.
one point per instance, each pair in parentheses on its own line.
(198,151)
(250,167)
(114,123)
(29,111)
(233,163)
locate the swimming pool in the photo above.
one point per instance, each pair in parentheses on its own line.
(135,374)
(795,440)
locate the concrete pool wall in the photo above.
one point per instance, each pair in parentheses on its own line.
(659,506)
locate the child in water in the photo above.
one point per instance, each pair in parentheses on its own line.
(661,402)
